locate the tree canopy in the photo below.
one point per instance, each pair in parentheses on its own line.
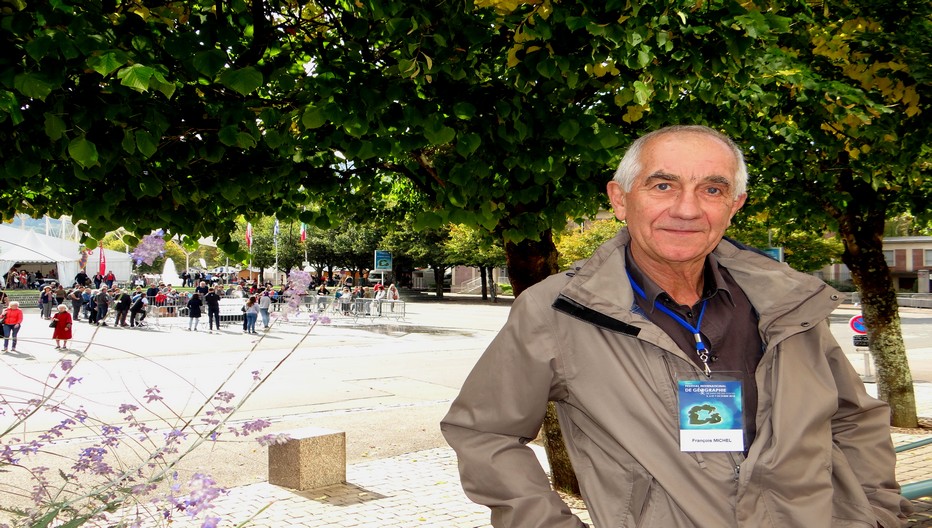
(505,115)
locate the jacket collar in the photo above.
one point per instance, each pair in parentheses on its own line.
(600,286)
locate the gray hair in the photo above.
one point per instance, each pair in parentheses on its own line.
(630,165)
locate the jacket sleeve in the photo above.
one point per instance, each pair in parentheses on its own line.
(499,410)
(861,429)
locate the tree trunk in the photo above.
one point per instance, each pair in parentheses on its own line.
(864,257)
(485,284)
(438,281)
(493,283)
(530,262)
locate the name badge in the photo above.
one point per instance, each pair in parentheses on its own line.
(711,415)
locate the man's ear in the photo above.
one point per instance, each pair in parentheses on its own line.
(739,203)
(616,196)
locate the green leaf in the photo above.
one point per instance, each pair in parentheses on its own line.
(313,118)
(208,63)
(55,126)
(644,57)
(33,85)
(149,185)
(642,92)
(274,138)
(568,129)
(245,140)
(427,220)
(108,62)
(244,81)
(160,83)
(466,144)
(441,136)
(146,143)
(136,76)
(129,142)
(464,110)
(231,192)
(10,105)
(228,135)
(83,151)
(40,47)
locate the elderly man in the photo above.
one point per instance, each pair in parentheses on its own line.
(696,380)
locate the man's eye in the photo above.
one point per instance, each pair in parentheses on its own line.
(662,186)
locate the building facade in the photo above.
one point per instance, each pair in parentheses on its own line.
(909,259)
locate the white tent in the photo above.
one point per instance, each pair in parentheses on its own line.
(30,249)
(19,246)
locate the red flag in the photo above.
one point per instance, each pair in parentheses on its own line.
(248,235)
(103,260)
(303,232)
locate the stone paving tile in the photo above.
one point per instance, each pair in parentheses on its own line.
(422,489)
(417,489)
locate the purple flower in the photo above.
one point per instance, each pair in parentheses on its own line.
(151,247)
(203,490)
(91,460)
(224,396)
(249,428)
(175,436)
(152,394)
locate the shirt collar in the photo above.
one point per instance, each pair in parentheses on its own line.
(713,282)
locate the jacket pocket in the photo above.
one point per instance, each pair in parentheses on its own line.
(616,487)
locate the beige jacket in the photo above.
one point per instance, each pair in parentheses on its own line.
(822,457)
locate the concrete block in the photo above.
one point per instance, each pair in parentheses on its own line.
(312,458)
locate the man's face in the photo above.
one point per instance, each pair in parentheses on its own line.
(681,202)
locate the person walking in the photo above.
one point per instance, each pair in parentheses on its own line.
(122,302)
(12,318)
(194,311)
(695,379)
(392,295)
(212,299)
(252,313)
(60,295)
(77,301)
(62,329)
(103,303)
(265,303)
(46,298)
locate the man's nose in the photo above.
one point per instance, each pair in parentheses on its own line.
(686,204)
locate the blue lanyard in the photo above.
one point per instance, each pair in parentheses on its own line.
(701,350)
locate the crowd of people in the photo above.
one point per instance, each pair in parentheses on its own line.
(20,279)
(98,301)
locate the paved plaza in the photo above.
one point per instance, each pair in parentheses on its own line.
(386,383)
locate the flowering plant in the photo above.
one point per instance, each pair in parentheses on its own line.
(299,283)
(126,470)
(151,247)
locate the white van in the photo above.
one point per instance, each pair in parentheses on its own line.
(380,276)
